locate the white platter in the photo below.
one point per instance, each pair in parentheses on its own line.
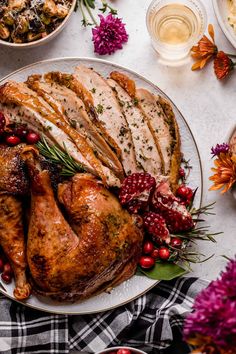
(136,286)
(222,13)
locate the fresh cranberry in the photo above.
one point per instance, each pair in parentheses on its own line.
(1,265)
(146,262)
(176,242)
(2,120)
(155,253)
(181,172)
(148,247)
(185,193)
(164,253)
(124,351)
(12,140)
(21,132)
(7,269)
(6,278)
(32,138)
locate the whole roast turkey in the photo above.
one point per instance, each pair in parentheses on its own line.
(79,242)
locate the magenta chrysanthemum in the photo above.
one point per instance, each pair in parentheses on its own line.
(219,148)
(214,315)
(109,35)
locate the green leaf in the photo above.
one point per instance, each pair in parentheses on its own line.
(164,271)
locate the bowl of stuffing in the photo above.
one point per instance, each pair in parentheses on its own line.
(121,350)
(30,23)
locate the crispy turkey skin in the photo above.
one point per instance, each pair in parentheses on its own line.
(74,261)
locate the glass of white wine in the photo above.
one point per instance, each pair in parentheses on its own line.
(175,26)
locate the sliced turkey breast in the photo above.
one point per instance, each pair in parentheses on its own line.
(148,155)
(66,102)
(110,114)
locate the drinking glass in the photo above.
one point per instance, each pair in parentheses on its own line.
(174,27)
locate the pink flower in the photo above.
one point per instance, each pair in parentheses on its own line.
(214,318)
(109,35)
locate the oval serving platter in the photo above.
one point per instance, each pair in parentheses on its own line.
(137,285)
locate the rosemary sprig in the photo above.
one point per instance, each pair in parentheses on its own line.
(69,167)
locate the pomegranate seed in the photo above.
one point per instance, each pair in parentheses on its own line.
(176,242)
(1,265)
(2,120)
(146,262)
(124,351)
(12,140)
(6,278)
(156,226)
(155,253)
(7,269)
(32,138)
(181,172)
(164,253)
(148,247)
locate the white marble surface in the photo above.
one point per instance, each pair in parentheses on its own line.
(207,104)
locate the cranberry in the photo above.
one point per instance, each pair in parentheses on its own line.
(2,120)
(146,262)
(21,132)
(148,247)
(7,269)
(124,351)
(176,242)
(164,253)
(12,140)
(1,265)
(155,253)
(181,172)
(184,193)
(6,278)
(32,138)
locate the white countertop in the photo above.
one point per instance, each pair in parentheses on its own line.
(207,104)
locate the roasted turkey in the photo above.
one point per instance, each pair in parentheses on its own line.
(98,247)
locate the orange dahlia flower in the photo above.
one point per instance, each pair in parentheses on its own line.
(204,50)
(222,65)
(224,172)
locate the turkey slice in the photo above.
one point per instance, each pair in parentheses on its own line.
(148,155)
(110,114)
(67,103)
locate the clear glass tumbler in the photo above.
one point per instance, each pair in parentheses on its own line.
(174,27)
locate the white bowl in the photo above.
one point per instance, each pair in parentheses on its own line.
(221,12)
(44,40)
(137,351)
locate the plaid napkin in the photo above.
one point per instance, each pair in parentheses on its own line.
(152,323)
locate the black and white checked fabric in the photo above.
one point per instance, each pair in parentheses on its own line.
(152,323)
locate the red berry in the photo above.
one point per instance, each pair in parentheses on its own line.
(136,191)
(21,131)
(148,247)
(12,140)
(185,193)
(155,253)
(1,265)
(146,262)
(156,226)
(32,138)
(2,120)
(164,253)
(6,278)
(176,242)
(181,172)
(124,351)
(7,269)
